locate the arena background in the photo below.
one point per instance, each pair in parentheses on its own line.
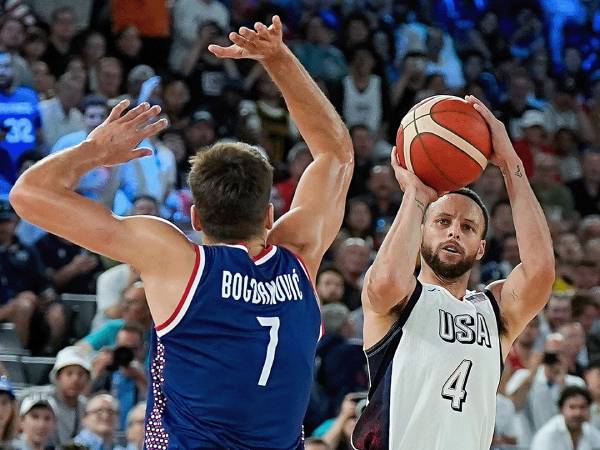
(534,62)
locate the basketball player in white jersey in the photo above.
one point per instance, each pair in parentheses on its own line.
(435,350)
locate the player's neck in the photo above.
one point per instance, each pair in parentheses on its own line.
(255,246)
(456,286)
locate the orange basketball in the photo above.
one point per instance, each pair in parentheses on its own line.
(445,142)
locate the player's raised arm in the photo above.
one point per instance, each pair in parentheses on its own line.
(527,289)
(391,277)
(45,194)
(317,210)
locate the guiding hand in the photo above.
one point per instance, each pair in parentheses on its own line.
(260,44)
(503,148)
(406,178)
(117,137)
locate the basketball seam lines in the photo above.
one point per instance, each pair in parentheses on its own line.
(429,158)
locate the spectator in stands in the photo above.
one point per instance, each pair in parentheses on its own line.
(358,220)
(94,49)
(109,289)
(38,422)
(352,257)
(12,39)
(188,17)
(363,140)
(26,295)
(382,194)
(521,353)
(591,250)
(330,285)
(505,432)
(342,367)
(556,314)
(533,139)
(316,444)
(356,31)
(135,427)
(106,80)
(62,31)
(43,80)
(501,225)
(509,259)
(403,92)
(516,103)
(135,310)
(589,228)
(535,391)
(316,52)
(592,380)
(176,97)
(71,268)
(586,190)
(60,115)
(120,371)
(490,186)
(8,412)
(100,423)
(298,159)
(70,378)
(564,112)
(573,345)
(19,115)
(443,58)
(100,183)
(200,131)
(364,95)
(566,145)
(337,432)
(553,196)
(569,430)
(593,107)
(129,47)
(34,46)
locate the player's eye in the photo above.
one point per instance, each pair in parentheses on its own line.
(467,227)
(443,221)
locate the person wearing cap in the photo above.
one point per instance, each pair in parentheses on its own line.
(8,411)
(564,111)
(200,132)
(533,139)
(38,421)
(100,424)
(70,378)
(25,289)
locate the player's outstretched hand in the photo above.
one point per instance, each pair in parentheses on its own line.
(503,148)
(406,178)
(261,43)
(117,137)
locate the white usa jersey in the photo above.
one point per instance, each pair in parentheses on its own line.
(434,376)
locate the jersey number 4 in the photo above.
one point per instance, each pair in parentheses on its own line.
(454,387)
(273,323)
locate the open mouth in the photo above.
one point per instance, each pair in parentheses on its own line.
(453,249)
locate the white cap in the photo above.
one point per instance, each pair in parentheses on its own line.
(70,356)
(532,118)
(30,401)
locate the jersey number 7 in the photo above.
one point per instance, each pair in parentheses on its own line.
(454,387)
(273,323)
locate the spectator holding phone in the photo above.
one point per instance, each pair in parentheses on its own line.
(337,432)
(535,391)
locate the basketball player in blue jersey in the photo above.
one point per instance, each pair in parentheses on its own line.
(237,319)
(435,350)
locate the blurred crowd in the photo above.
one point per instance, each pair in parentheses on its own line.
(65,63)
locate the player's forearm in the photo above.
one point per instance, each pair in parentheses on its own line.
(320,125)
(391,275)
(533,235)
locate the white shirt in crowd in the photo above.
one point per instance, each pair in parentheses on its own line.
(555,436)
(541,403)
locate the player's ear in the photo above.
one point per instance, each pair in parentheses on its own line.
(270,216)
(196,224)
(480,250)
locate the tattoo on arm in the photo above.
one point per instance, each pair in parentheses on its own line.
(514,295)
(421,206)
(518,172)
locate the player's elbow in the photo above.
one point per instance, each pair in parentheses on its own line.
(18,197)
(543,274)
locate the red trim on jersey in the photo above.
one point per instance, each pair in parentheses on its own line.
(185,293)
(262,253)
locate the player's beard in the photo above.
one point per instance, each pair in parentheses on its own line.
(445,270)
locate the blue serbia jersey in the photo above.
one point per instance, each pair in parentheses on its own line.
(20,118)
(232,367)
